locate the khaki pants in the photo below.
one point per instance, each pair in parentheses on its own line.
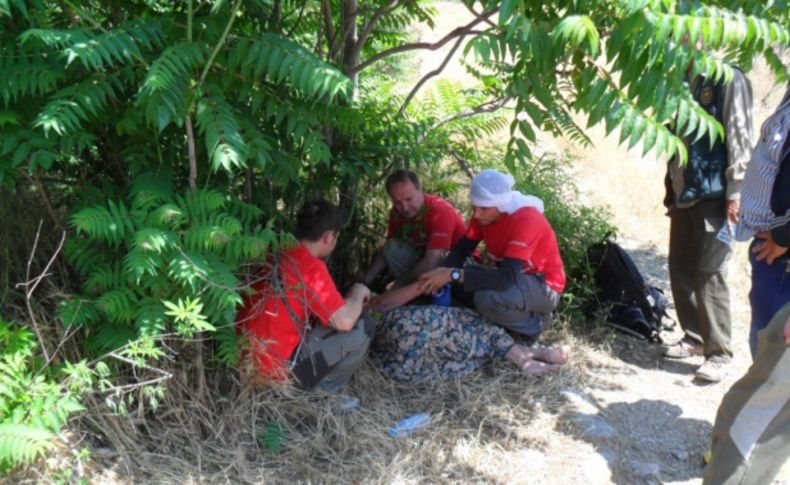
(400,256)
(751,437)
(698,272)
(523,308)
(329,357)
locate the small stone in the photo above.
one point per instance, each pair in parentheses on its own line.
(645,470)
(681,455)
(592,426)
(579,400)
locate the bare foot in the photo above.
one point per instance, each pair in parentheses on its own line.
(531,367)
(554,355)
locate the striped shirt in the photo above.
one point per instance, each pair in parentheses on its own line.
(756,214)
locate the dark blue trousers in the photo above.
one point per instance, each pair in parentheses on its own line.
(770,291)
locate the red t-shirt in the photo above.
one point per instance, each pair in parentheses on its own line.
(438,225)
(266,319)
(526,235)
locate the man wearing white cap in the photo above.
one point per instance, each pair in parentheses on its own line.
(521,292)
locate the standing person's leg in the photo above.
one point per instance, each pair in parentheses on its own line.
(329,357)
(751,437)
(770,291)
(523,308)
(683,258)
(710,282)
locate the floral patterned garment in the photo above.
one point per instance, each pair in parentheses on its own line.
(421,343)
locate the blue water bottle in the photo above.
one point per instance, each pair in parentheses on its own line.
(444,296)
(409,425)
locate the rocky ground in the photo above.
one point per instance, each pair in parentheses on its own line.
(646,416)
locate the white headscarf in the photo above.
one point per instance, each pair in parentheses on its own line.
(491,188)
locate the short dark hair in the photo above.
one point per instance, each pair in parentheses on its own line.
(315,218)
(400,176)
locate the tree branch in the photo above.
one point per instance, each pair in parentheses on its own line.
(368,27)
(326,7)
(431,74)
(479,15)
(458,31)
(220,43)
(47,204)
(466,166)
(487,107)
(192,155)
(298,20)
(31,284)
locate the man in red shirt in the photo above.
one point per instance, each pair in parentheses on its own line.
(422,228)
(299,292)
(521,292)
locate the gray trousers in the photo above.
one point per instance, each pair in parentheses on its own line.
(523,308)
(328,357)
(751,437)
(698,272)
(400,256)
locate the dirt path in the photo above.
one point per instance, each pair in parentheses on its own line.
(645,415)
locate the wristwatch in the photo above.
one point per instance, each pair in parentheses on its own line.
(455,275)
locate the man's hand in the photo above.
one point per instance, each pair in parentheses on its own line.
(358,290)
(768,250)
(733,207)
(433,280)
(787,332)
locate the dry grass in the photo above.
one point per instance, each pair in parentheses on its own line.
(493,426)
(488,419)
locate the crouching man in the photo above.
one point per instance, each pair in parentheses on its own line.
(522,290)
(297,321)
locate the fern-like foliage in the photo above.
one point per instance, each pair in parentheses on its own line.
(642,88)
(217,121)
(164,94)
(282,60)
(179,257)
(22,444)
(35,403)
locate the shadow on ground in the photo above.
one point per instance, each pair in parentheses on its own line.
(646,441)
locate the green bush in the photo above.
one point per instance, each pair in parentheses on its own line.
(35,400)
(156,264)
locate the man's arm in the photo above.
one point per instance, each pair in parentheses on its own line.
(460,252)
(738,121)
(395,298)
(346,316)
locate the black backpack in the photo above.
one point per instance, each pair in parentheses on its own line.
(634,307)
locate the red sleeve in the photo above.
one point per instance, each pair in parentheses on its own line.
(474,231)
(440,224)
(526,231)
(323,297)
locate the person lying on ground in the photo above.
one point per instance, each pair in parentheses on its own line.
(297,322)
(523,288)
(431,342)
